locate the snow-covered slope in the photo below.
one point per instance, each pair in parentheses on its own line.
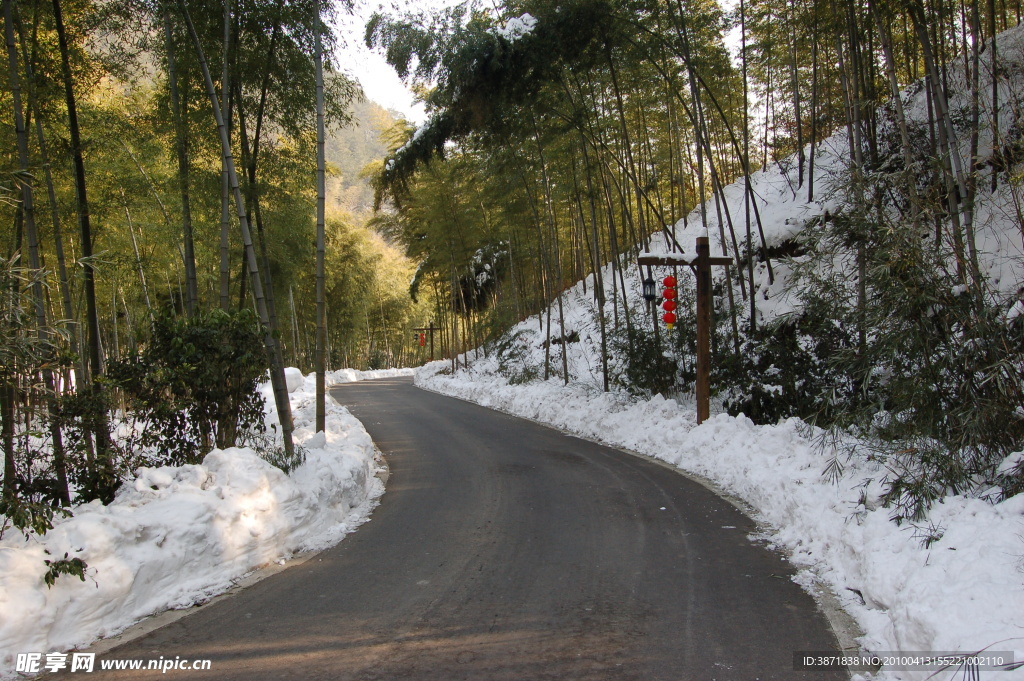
(785,208)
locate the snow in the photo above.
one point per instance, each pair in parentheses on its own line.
(1015,311)
(176,536)
(680,258)
(963,592)
(293,378)
(516,27)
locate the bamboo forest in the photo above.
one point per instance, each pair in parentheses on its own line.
(195,196)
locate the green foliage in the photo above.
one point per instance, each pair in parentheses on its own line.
(194,385)
(22,351)
(64,566)
(648,367)
(370,316)
(376,360)
(484,73)
(30,491)
(80,415)
(512,351)
(277,456)
(787,368)
(485,269)
(29,515)
(348,151)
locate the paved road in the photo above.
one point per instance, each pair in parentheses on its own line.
(507,551)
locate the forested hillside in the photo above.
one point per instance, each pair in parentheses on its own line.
(350,149)
(876,240)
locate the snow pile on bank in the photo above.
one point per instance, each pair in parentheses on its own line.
(952,583)
(353,375)
(296,380)
(176,536)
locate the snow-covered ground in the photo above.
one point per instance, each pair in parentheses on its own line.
(176,536)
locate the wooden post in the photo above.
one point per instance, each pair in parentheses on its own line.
(429,330)
(701,264)
(704,304)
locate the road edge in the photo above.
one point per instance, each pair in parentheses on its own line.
(844,627)
(158,620)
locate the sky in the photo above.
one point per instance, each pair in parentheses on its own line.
(380,82)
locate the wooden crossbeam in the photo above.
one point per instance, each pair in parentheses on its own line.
(673,260)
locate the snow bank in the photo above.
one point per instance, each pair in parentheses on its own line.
(962,592)
(176,536)
(353,375)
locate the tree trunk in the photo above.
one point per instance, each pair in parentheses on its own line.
(138,259)
(35,262)
(225,193)
(105,476)
(321,310)
(181,143)
(281,399)
(7,399)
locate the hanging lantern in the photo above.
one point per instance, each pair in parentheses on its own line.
(423,339)
(649,291)
(669,304)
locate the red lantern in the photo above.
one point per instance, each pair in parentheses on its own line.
(423,339)
(669,305)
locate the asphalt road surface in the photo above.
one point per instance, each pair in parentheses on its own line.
(507,551)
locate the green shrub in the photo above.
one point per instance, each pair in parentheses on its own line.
(647,366)
(194,385)
(928,373)
(512,352)
(785,368)
(275,455)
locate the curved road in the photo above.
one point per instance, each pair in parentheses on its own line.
(504,550)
